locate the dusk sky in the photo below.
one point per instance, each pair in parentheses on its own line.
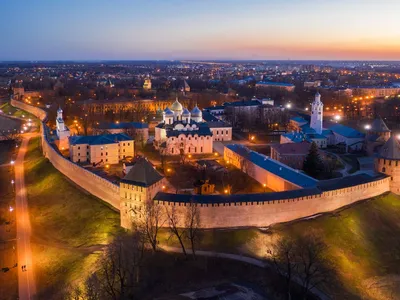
(199,29)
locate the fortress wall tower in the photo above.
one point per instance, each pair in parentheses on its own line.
(388,162)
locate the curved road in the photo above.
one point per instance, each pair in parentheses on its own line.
(26,281)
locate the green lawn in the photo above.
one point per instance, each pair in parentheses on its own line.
(8,109)
(69,226)
(363,246)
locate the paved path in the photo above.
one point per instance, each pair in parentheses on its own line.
(246,259)
(26,281)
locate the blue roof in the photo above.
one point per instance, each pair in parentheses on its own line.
(208,117)
(295,137)
(274,167)
(123,125)
(298,120)
(276,83)
(345,131)
(307,129)
(99,139)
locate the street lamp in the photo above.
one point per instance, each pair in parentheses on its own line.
(289,105)
(367,127)
(264,185)
(12,162)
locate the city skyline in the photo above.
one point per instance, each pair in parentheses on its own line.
(200,30)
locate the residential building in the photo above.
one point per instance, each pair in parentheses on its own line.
(278,85)
(136,130)
(100,149)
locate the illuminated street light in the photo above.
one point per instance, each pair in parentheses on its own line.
(367,127)
(11,209)
(289,105)
(12,162)
(337,117)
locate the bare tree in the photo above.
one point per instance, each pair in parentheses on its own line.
(173,221)
(119,266)
(151,221)
(192,224)
(283,257)
(312,265)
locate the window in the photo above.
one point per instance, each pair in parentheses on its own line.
(101,154)
(201,149)
(217,131)
(227,132)
(87,153)
(106,153)
(79,148)
(124,150)
(79,154)
(128,144)
(106,159)
(124,144)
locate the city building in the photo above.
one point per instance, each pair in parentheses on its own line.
(291,154)
(62,131)
(100,149)
(267,171)
(352,139)
(136,130)
(388,162)
(182,131)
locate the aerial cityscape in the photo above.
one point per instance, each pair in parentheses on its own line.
(200,149)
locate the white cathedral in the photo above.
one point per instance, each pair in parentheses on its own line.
(182,131)
(63,132)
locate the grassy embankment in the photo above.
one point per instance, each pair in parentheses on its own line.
(69,227)
(363,246)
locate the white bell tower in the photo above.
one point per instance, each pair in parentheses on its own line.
(63,132)
(317,110)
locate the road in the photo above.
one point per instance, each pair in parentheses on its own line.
(26,280)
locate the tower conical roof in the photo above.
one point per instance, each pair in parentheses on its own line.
(185,112)
(378,125)
(142,173)
(391,149)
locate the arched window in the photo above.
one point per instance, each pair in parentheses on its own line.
(383,170)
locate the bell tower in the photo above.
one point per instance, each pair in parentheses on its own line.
(317,110)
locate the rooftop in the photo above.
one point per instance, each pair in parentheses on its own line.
(391,149)
(292,148)
(142,173)
(281,170)
(102,139)
(122,125)
(378,125)
(345,131)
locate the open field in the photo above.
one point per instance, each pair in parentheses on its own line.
(69,227)
(15,112)
(363,246)
(8,257)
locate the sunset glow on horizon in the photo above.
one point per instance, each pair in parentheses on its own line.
(222,29)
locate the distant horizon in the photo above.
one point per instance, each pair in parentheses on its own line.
(98,30)
(199,60)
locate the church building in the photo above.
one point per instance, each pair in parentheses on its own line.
(182,131)
(63,132)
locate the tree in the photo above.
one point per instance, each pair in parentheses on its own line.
(173,221)
(192,224)
(151,221)
(283,256)
(312,265)
(313,165)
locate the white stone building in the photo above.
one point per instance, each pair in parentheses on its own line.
(181,130)
(63,132)
(317,109)
(101,149)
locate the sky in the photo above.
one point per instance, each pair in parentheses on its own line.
(199,29)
